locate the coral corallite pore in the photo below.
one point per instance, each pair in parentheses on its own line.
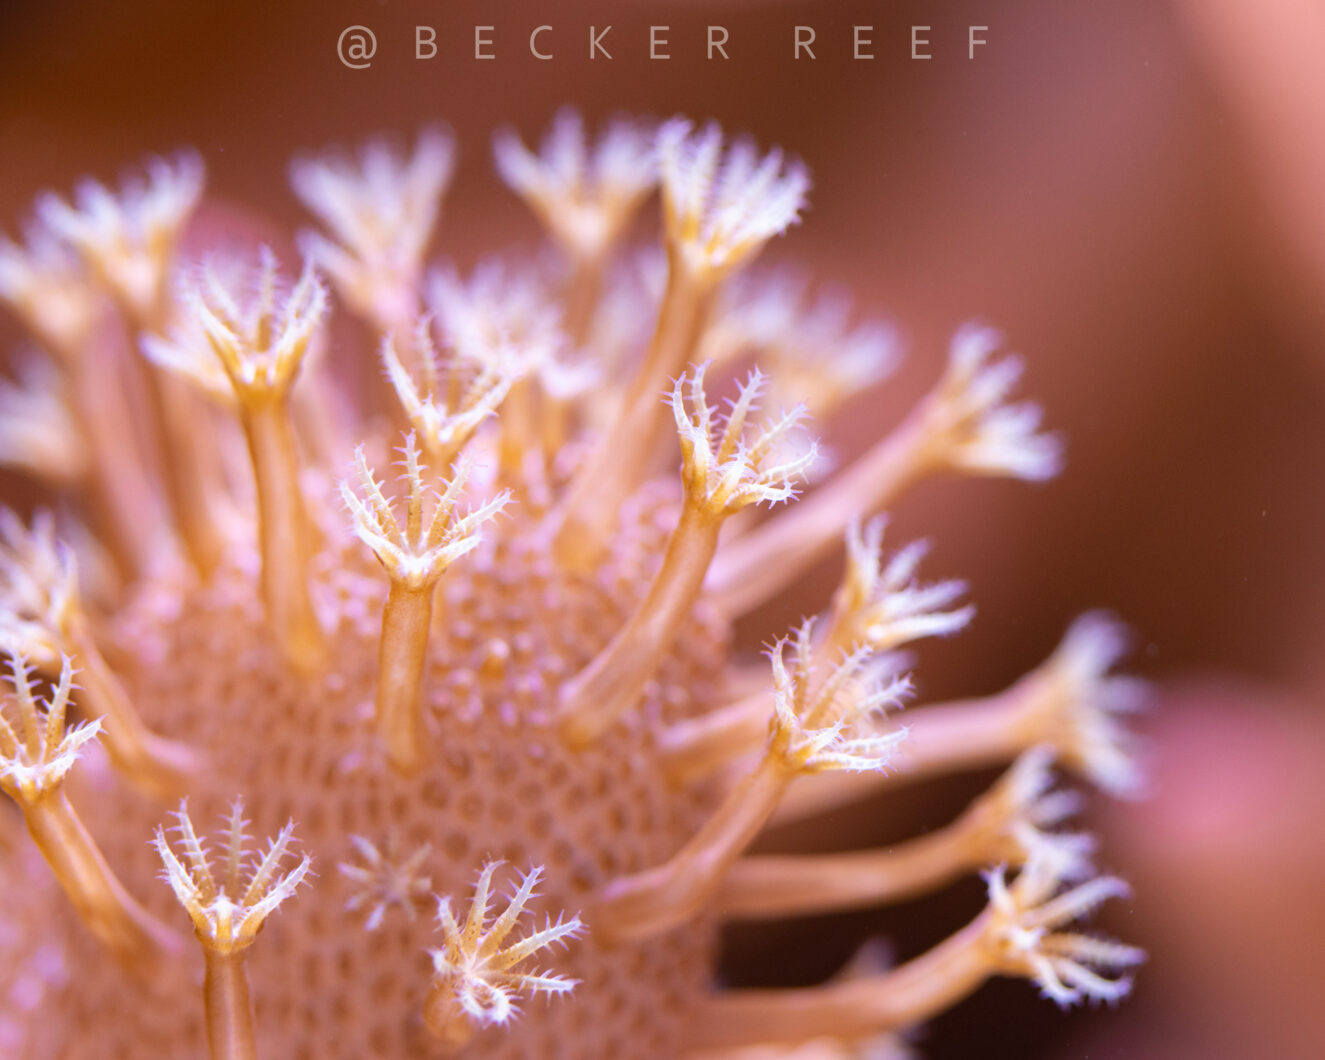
(417,704)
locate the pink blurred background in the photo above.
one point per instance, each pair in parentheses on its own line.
(1133,190)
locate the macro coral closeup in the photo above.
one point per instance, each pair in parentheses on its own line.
(460,643)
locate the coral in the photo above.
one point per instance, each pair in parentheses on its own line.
(227,915)
(513,663)
(475,981)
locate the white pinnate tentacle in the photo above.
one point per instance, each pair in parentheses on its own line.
(811,349)
(1022,937)
(719,210)
(1079,703)
(499,313)
(419,552)
(726,466)
(971,425)
(381,209)
(584,194)
(40,431)
(228,913)
(455,394)
(243,328)
(128,239)
(38,583)
(37,753)
(880,602)
(386,879)
(46,284)
(830,721)
(478,972)
(1012,821)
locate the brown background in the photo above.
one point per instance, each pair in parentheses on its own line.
(1123,186)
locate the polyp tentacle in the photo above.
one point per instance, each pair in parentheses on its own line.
(964,425)
(1016,935)
(249,352)
(414,556)
(1003,826)
(721,473)
(42,615)
(1071,702)
(381,209)
(35,759)
(717,218)
(227,914)
(819,723)
(477,981)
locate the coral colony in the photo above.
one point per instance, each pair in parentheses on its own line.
(460,646)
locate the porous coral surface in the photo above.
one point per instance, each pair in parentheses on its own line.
(498,785)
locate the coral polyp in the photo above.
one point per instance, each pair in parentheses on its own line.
(512,663)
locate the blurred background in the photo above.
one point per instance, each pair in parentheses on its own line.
(1132,190)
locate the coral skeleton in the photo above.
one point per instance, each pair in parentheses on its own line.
(436,695)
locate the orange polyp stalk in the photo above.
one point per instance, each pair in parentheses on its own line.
(519,433)
(580,303)
(125,494)
(229,1009)
(189,472)
(181,460)
(600,693)
(406,620)
(582,295)
(414,558)
(757,565)
(556,424)
(284,530)
(695,747)
(619,461)
(857,1008)
(651,902)
(325,418)
(156,765)
(942,738)
(450,1028)
(132,934)
(770,886)
(227,915)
